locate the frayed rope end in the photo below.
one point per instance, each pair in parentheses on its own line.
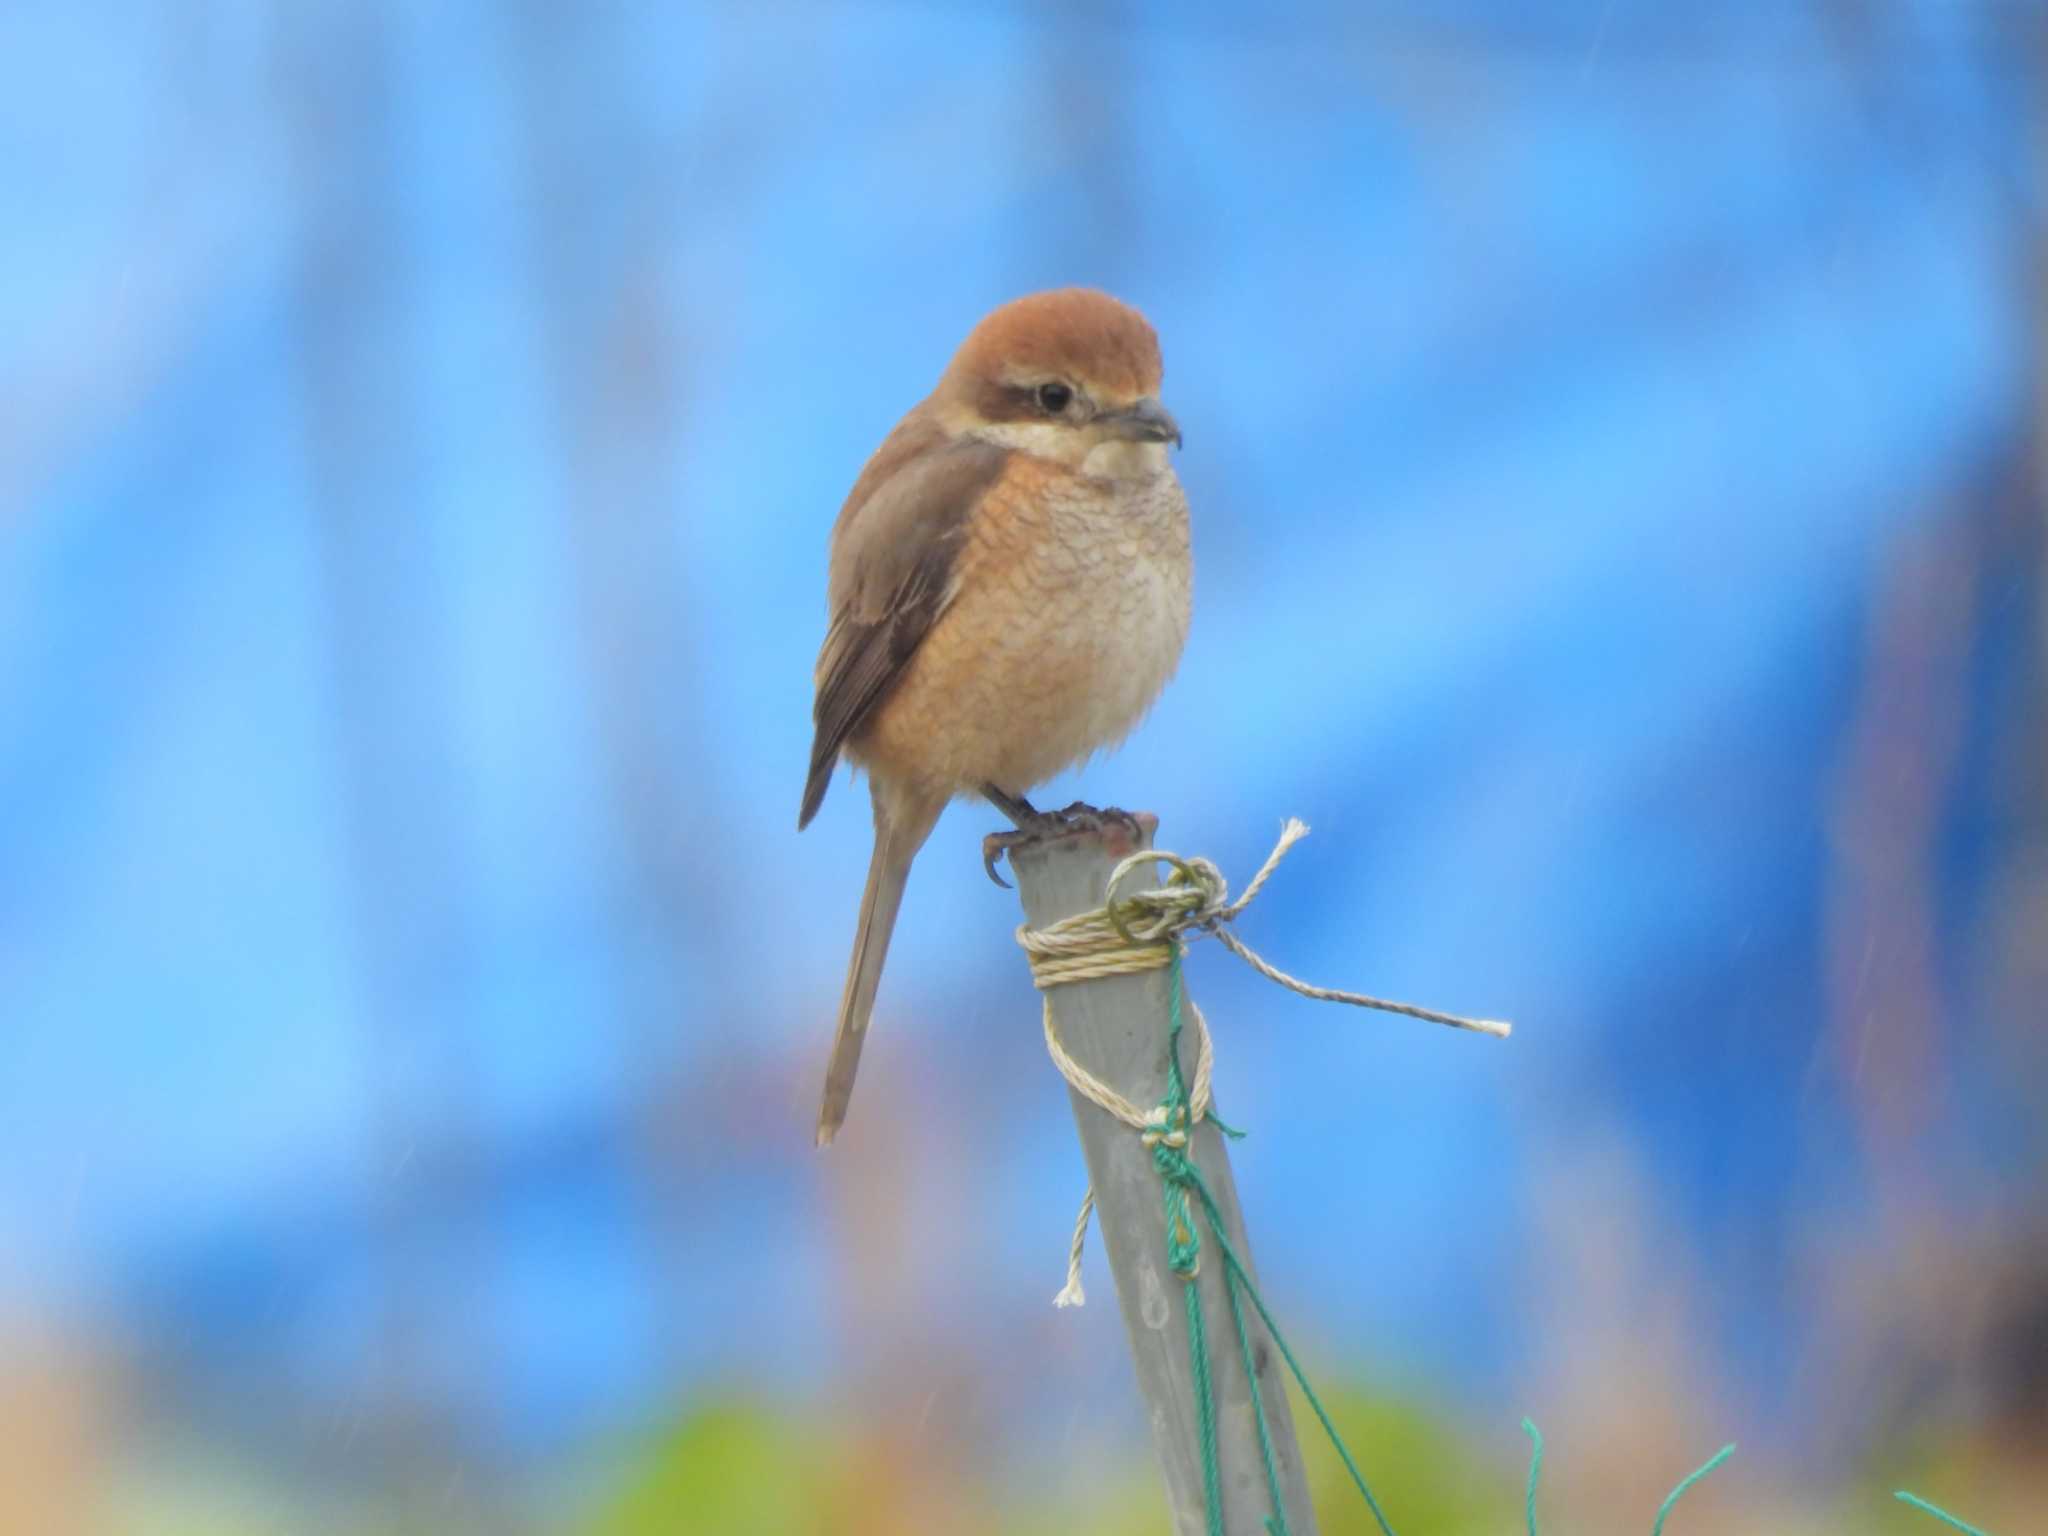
(1071,1294)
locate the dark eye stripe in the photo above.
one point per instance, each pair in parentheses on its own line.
(1009,402)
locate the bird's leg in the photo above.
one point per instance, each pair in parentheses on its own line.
(1016,807)
(1029,822)
(1033,824)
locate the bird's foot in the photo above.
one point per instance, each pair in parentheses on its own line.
(1042,826)
(996,844)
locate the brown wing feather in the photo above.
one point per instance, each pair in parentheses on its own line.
(893,552)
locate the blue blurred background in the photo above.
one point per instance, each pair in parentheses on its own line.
(1615,439)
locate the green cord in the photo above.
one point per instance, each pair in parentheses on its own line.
(1205,1412)
(1183,1187)
(1664,1509)
(1942,1515)
(1276,1524)
(1184,1258)
(1535,1467)
(1672,1498)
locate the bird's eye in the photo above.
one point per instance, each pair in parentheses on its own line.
(1054,398)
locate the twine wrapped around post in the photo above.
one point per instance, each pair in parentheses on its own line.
(1147,931)
(1220,1421)
(1115,1014)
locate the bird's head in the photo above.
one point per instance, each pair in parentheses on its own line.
(1071,375)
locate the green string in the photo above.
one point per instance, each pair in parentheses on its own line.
(1535,1467)
(1940,1514)
(1672,1497)
(1182,1188)
(1663,1510)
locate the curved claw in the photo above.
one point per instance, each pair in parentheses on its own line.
(993,847)
(1078,817)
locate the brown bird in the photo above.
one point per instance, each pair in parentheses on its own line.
(1009,592)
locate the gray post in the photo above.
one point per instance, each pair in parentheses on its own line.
(1116,1028)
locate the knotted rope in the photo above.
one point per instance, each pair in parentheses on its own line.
(1146,932)
(1149,931)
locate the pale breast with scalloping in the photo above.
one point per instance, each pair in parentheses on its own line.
(1082,591)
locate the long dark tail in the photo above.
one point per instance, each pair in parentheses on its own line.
(896,844)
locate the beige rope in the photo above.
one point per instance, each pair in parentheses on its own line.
(1142,932)
(1071,1294)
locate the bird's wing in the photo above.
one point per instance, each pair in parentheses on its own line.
(894,549)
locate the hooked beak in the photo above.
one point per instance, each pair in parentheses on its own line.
(1147,421)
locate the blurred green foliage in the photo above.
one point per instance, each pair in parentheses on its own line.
(1424,1476)
(741,1470)
(734,1468)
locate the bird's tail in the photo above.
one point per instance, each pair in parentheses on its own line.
(897,840)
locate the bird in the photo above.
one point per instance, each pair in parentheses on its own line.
(1009,588)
